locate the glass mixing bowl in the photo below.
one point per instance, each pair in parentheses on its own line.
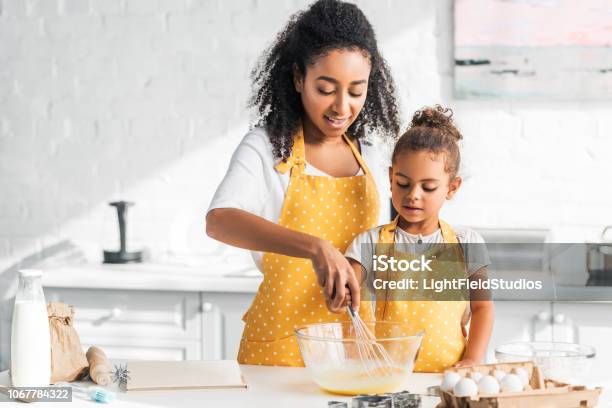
(566,362)
(331,353)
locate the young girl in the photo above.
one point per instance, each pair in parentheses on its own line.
(423,175)
(299,186)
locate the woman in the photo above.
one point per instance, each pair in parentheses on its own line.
(298,187)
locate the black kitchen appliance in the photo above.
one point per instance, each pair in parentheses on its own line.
(599,260)
(122,256)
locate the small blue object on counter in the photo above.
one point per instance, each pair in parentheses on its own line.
(97,394)
(101,395)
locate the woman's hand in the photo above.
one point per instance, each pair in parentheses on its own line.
(343,307)
(245,230)
(336,276)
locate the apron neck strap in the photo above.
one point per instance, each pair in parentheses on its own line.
(297,158)
(387,232)
(448,234)
(356,153)
(298,154)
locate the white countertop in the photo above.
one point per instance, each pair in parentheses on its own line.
(268,387)
(154,276)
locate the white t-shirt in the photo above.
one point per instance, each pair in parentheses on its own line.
(473,245)
(253,184)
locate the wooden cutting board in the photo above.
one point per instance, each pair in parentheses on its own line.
(184,375)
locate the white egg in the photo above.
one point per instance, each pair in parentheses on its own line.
(488,385)
(476,376)
(466,387)
(450,379)
(512,383)
(522,373)
(499,374)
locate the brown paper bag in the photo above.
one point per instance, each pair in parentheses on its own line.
(68,362)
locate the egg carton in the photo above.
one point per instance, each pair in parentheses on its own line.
(541,392)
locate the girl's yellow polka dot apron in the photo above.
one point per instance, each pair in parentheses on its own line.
(441,319)
(335,209)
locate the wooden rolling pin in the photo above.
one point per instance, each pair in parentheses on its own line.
(100,369)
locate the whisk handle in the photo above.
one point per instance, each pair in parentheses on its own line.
(351,311)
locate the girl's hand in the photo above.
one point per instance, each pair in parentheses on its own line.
(336,276)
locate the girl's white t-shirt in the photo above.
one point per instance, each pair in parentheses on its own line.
(253,184)
(472,244)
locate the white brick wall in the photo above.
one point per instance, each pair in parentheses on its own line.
(144,100)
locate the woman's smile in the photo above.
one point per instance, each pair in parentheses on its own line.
(336,123)
(333,90)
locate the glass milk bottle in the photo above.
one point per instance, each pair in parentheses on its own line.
(30,339)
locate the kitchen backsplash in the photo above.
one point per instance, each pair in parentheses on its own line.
(145,101)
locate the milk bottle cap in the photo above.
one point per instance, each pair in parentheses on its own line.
(30,273)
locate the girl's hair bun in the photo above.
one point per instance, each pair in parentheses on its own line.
(436,117)
(432,129)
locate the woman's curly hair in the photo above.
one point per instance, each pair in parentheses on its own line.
(327,25)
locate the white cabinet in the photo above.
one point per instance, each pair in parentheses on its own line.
(136,324)
(128,313)
(148,324)
(519,321)
(222,323)
(588,323)
(582,322)
(157,324)
(141,348)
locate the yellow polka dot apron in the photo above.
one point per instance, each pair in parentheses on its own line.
(335,209)
(441,319)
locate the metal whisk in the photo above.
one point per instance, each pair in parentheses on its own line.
(373,356)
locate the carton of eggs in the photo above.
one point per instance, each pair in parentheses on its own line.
(522,373)
(476,376)
(512,383)
(475,383)
(449,381)
(499,374)
(488,385)
(466,387)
